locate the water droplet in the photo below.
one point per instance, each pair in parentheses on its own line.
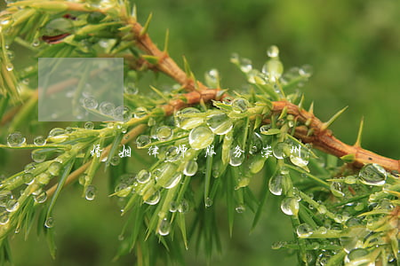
(43,178)
(278,245)
(273,51)
(300,157)
(306,71)
(130,88)
(322,209)
(115,160)
(140,112)
(164,227)
(39,141)
(173,206)
(107,108)
(12,205)
(38,156)
(9,66)
(153,199)
(10,54)
(304,230)
(240,209)
(164,133)
(88,125)
(54,168)
(42,197)
(190,168)
(36,43)
(49,223)
(358,256)
(240,105)
(143,176)
(122,113)
(4,218)
(200,137)
(90,103)
(212,78)
(290,206)
(273,69)
(28,178)
(337,189)
(236,157)
(174,180)
(234,58)
(373,175)
(219,123)
(172,154)
(208,202)
(281,150)
(122,190)
(184,206)
(275,184)
(90,193)
(245,65)
(350,179)
(57,135)
(15,139)
(188,118)
(142,141)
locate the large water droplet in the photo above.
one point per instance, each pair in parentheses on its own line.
(188,118)
(173,206)
(273,69)
(306,71)
(140,112)
(38,156)
(208,202)
(200,137)
(164,227)
(54,168)
(90,193)
(299,156)
(122,190)
(39,141)
(240,105)
(107,108)
(281,150)
(190,168)
(142,141)
(290,206)
(164,133)
(9,66)
(304,230)
(15,139)
(337,189)
(275,185)
(143,176)
(57,135)
(154,198)
(219,123)
(373,175)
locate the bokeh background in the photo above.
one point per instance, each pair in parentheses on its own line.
(354,48)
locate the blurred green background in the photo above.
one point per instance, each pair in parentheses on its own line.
(354,48)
